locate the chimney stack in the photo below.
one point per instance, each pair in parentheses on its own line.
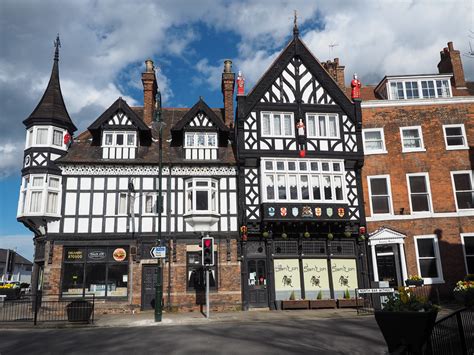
(149,91)
(451,63)
(227,87)
(336,71)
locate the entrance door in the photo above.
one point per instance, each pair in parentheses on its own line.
(148,286)
(257,283)
(388,264)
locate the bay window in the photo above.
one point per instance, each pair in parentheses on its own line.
(201,196)
(40,194)
(309,180)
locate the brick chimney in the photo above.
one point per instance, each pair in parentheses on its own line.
(149,91)
(451,63)
(227,87)
(336,71)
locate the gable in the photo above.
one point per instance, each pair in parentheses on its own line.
(119,119)
(297,81)
(200,121)
(297,77)
(200,115)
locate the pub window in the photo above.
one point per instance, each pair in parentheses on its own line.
(380,195)
(322,125)
(292,180)
(99,271)
(428,259)
(277,124)
(463,189)
(419,191)
(468,243)
(196,278)
(455,136)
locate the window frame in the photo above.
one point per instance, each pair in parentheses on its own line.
(428,191)
(439,266)
(192,210)
(469,172)
(298,172)
(463,242)
(119,211)
(27,189)
(463,134)
(317,133)
(114,134)
(410,150)
(419,81)
(382,137)
(389,191)
(154,196)
(195,134)
(282,125)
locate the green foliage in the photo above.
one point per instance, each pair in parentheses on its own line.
(406,301)
(347,295)
(292,296)
(320,295)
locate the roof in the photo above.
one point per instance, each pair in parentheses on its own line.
(83,152)
(51,108)
(200,106)
(18,258)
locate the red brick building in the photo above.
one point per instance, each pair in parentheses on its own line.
(418,134)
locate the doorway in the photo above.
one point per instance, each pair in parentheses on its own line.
(257,283)
(388,264)
(149,273)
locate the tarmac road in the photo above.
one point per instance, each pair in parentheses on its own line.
(290,336)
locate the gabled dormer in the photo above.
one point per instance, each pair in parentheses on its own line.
(120,131)
(200,133)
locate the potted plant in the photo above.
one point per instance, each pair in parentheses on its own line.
(414,280)
(79,311)
(406,320)
(347,301)
(464,292)
(293,303)
(319,302)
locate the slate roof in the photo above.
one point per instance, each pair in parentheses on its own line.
(18,258)
(83,152)
(51,108)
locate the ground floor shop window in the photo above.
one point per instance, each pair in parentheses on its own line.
(99,271)
(287,279)
(316,278)
(196,276)
(344,277)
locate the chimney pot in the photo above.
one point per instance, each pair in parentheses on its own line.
(450,46)
(227,66)
(150,68)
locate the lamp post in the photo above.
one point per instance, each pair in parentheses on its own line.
(158,125)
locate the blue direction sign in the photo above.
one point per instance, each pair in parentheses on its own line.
(158,252)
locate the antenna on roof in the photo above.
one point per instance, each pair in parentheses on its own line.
(331,48)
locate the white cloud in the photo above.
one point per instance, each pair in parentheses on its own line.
(22,243)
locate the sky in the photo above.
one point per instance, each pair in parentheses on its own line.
(104,45)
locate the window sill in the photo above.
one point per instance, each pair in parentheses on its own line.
(376,152)
(413,150)
(202,220)
(433,281)
(457,148)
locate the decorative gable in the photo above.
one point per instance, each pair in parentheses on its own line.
(119,119)
(296,81)
(200,121)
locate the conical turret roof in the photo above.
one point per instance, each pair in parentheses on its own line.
(51,108)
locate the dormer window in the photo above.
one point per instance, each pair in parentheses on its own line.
(119,144)
(200,145)
(422,87)
(40,195)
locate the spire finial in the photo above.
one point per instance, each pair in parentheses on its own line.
(295,25)
(57,44)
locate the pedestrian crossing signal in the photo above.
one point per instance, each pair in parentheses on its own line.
(208,251)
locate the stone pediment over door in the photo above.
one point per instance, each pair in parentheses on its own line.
(386,235)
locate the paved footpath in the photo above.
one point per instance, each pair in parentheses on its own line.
(282,332)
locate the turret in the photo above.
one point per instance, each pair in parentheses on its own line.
(49,131)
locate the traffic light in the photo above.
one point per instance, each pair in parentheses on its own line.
(208,251)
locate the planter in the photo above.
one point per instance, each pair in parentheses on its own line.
(409,329)
(79,311)
(348,302)
(315,304)
(296,304)
(414,282)
(11,293)
(465,297)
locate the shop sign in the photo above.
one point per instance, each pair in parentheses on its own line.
(74,255)
(119,254)
(344,274)
(316,278)
(96,255)
(287,278)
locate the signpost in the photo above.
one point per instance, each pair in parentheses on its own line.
(158,252)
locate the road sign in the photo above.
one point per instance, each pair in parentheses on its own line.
(375,290)
(158,252)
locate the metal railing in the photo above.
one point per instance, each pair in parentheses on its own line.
(453,334)
(50,308)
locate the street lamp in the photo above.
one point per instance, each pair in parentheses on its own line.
(158,125)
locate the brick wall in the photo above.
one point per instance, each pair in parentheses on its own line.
(438,163)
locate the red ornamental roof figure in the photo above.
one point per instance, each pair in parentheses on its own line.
(355,85)
(240,84)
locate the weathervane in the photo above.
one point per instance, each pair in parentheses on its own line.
(57,44)
(295,25)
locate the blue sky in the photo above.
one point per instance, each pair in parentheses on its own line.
(104,45)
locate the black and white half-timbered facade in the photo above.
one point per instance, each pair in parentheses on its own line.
(300,156)
(95,214)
